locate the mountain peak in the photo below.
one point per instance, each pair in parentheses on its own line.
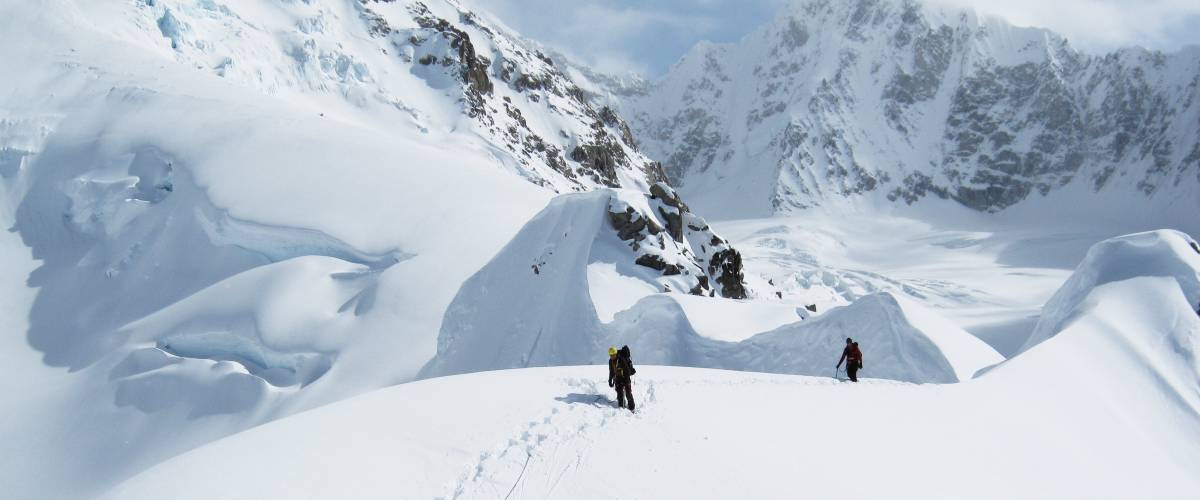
(898,101)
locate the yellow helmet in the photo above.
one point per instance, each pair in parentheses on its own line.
(612,351)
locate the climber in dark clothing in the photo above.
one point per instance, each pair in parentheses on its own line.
(620,369)
(853,358)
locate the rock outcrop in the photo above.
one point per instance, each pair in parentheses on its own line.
(560,136)
(666,236)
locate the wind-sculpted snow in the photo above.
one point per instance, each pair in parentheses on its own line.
(1124,330)
(530,306)
(1164,253)
(205,257)
(900,341)
(534,305)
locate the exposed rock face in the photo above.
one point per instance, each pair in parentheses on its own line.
(898,99)
(601,158)
(474,68)
(726,265)
(683,245)
(561,136)
(672,209)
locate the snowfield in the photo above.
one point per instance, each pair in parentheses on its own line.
(554,432)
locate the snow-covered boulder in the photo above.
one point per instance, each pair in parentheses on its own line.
(1165,253)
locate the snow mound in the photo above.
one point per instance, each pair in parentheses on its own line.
(1125,329)
(1165,253)
(900,341)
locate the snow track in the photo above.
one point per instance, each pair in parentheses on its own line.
(558,441)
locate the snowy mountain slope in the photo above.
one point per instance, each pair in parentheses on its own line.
(209,258)
(897,100)
(1107,408)
(698,434)
(539,303)
(413,68)
(226,214)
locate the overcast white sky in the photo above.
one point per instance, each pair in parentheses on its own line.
(648,36)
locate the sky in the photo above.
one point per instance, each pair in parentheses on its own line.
(646,37)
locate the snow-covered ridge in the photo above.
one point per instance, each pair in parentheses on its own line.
(896,100)
(1165,253)
(568,286)
(532,305)
(1107,407)
(906,342)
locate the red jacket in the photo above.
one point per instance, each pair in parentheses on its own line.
(851,353)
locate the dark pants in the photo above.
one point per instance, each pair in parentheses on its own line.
(624,393)
(852,370)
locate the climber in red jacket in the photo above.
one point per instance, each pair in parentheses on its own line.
(853,358)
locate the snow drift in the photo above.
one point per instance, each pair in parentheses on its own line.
(900,340)
(1126,321)
(1165,253)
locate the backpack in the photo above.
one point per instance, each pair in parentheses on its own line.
(625,363)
